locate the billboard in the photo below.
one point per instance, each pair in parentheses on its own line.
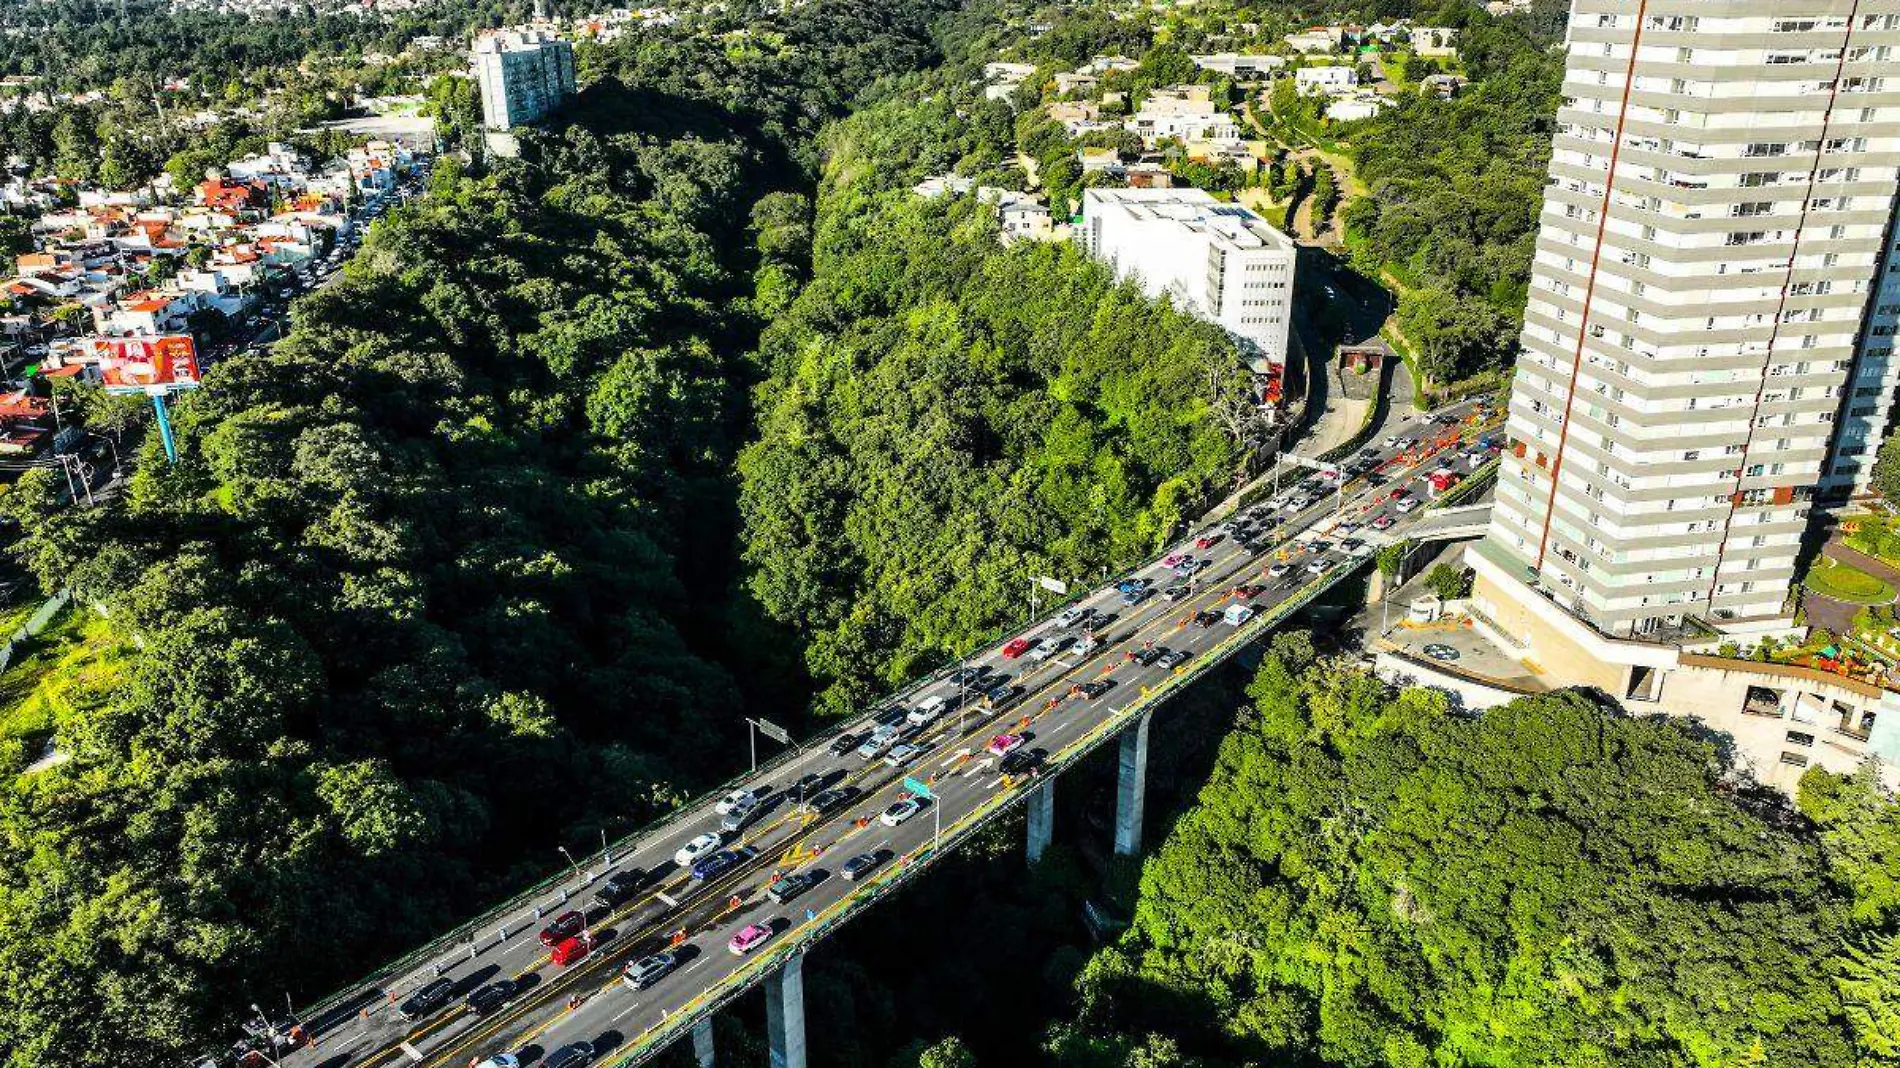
(145,364)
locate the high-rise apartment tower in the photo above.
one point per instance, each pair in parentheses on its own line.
(1707,350)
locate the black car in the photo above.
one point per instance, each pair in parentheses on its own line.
(859,866)
(488,998)
(891,717)
(620,886)
(1019,761)
(791,886)
(1096,688)
(430,999)
(1146,657)
(826,800)
(1205,620)
(1173,658)
(573,1055)
(1004,694)
(805,785)
(844,744)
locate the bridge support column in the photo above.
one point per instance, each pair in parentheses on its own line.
(785,1013)
(1042,817)
(703,1042)
(1130,788)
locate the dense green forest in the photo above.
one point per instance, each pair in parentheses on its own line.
(944,419)
(1369,879)
(1455,187)
(462,541)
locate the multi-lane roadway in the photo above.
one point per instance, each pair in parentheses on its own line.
(1003,719)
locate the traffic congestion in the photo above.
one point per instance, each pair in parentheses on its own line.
(590,968)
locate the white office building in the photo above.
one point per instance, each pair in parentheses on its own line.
(523,77)
(1220,261)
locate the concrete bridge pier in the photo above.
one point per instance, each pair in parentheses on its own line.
(1042,817)
(1130,787)
(785,1013)
(703,1042)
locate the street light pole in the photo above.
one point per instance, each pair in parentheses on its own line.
(752,740)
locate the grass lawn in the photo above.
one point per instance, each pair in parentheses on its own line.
(69,668)
(1830,578)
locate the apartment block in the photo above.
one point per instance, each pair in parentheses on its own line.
(1217,260)
(523,77)
(1707,349)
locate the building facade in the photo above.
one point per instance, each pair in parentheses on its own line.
(1220,261)
(1707,306)
(523,77)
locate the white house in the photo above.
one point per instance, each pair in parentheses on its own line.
(1356,106)
(1240,67)
(1326,81)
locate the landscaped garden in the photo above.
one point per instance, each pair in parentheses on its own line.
(1831,578)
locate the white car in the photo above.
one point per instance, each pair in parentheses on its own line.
(1406,505)
(900,812)
(901,753)
(926,711)
(501,1060)
(697,848)
(1069,618)
(739,798)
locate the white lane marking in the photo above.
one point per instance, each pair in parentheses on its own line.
(954,757)
(670,903)
(978,767)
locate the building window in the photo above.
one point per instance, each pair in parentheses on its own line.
(1798,738)
(1795,759)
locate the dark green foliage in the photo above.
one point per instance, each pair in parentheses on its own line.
(938,425)
(460,542)
(1369,880)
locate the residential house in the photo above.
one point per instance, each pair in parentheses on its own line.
(1434,42)
(1354,107)
(1241,67)
(1325,81)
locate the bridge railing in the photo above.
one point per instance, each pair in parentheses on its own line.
(454,947)
(735,983)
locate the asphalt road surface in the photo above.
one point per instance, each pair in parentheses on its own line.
(586,1001)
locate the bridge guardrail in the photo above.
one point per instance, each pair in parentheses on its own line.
(455,943)
(735,983)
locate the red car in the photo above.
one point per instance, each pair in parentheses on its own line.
(571,950)
(564,927)
(1016,648)
(1204,541)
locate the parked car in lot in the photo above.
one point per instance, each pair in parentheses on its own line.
(427,1001)
(749,938)
(701,845)
(643,973)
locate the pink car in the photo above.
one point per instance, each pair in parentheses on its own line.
(1002,744)
(750,937)
(1173,559)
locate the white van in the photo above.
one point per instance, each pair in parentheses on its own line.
(928,710)
(1237,614)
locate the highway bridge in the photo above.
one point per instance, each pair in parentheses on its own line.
(1081,685)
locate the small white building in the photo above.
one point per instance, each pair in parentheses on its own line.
(1241,67)
(1325,81)
(1354,107)
(1434,42)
